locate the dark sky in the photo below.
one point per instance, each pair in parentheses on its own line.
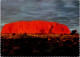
(61,11)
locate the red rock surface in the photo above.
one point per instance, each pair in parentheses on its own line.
(35,27)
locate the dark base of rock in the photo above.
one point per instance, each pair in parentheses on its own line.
(39,45)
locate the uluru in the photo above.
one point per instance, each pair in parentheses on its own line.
(36,26)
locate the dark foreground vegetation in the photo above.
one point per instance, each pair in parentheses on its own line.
(39,45)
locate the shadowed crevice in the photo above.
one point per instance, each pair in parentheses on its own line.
(50,31)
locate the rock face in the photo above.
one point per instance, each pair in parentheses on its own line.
(35,27)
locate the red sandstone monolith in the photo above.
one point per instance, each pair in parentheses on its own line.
(35,27)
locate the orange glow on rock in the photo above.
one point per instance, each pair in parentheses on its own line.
(35,27)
